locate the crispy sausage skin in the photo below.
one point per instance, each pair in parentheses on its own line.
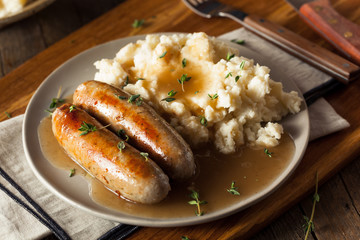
(147,131)
(125,172)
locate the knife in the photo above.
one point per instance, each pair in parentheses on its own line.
(340,32)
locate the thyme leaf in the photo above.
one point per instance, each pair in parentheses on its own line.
(72,172)
(163,54)
(203,121)
(183,62)
(196,201)
(145,155)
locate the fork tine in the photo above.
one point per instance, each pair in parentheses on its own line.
(204,8)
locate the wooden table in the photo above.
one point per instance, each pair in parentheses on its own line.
(32,48)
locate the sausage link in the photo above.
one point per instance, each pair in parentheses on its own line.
(124,172)
(147,130)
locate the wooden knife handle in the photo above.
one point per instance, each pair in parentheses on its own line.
(302,48)
(342,33)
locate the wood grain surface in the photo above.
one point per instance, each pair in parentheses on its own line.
(31,49)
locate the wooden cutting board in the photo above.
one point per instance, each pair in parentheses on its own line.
(326,155)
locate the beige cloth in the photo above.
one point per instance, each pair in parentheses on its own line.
(17,224)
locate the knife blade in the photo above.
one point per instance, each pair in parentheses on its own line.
(339,31)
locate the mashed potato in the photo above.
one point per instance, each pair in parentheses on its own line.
(10,7)
(205,91)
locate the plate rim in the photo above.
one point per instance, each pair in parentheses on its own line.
(159,222)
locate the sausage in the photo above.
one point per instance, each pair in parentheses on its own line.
(146,129)
(126,172)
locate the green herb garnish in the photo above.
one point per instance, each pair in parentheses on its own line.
(240,42)
(183,78)
(55,101)
(228,75)
(145,155)
(233,190)
(140,78)
(267,152)
(72,108)
(8,114)
(72,172)
(122,97)
(121,145)
(86,128)
(309,225)
(121,133)
(203,121)
(215,96)
(163,54)
(126,82)
(228,56)
(197,92)
(242,64)
(237,78)
(132,98)
(183,62)
(195,195)
(185,238)
(170,96)
(138,23)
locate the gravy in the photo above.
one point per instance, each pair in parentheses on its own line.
(251,169)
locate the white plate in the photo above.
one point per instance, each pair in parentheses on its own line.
(28,10)
(79,69)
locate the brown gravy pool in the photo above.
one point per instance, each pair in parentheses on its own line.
(251,169)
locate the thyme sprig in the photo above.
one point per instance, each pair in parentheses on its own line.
(8,114)
(55,101)
(145,155)
(121,145)
(233,190)
(196,201)
(215,96)
(72,172)
(183,78)
(309,226)
(138,23)
(86,128)
(229,56)
(267,152)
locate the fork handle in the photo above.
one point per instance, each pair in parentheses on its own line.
(302,48)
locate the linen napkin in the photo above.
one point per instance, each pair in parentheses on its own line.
(16,223)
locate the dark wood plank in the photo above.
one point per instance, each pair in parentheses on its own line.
(351,177)
(288,226)
(19,43)
(335,215)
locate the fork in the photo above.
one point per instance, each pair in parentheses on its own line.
(296,45)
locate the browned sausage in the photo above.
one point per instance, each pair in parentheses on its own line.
(125,172)
(147,131)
